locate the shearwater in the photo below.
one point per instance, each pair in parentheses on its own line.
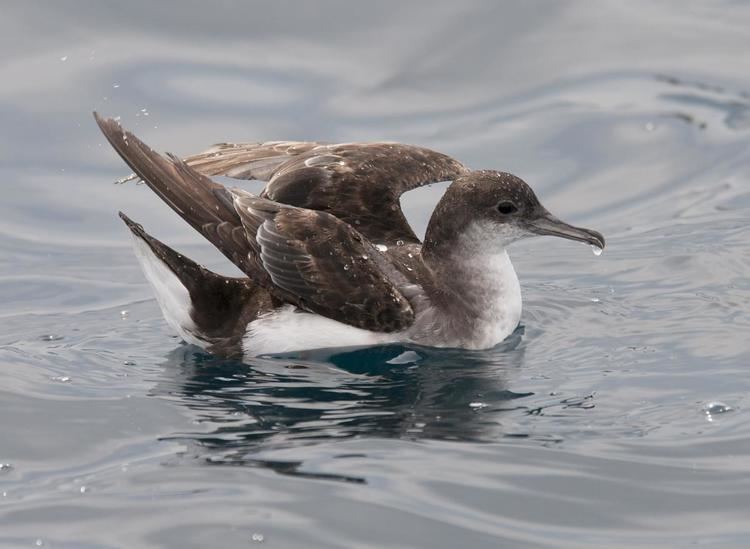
(329,257)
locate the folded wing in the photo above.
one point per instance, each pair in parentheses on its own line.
(324,265)
(308,258)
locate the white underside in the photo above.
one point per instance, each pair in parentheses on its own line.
(492,275)
(172,296)
(289,329)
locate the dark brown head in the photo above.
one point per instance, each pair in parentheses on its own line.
(489,210)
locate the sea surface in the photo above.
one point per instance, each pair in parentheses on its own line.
(617,415)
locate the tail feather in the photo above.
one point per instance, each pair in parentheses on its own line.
(206,309)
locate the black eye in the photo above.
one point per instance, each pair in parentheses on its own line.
(507,208)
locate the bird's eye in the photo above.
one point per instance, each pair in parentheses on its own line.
(507,208)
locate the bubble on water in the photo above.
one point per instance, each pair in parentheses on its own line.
(258,538)
(595,300)
(39,542)
(596,249)
(5,467)
(477,405)
(83,489)
(61,379)
(50,337)
(124,313)
(346,267)
(381,247)
(115,86)
(399,242)
(365,257)
(129,363)
(715,408)
(64,58)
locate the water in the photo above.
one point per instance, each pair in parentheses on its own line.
(616,415)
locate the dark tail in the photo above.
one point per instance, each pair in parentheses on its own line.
(207,309)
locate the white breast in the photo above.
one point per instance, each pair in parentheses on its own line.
(502,312)
(480,273)
(288,329)
(491,280)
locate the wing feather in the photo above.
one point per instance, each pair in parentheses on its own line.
(314,251)
(324,265)
(360,183)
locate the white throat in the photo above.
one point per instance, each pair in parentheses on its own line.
(492,279)
(488,283)
(482,278)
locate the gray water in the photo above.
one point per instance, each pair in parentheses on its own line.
(591,426)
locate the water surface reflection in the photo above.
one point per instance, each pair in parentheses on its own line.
(392,391)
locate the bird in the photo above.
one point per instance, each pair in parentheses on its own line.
(328,256)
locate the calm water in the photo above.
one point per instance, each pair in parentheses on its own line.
(587,428)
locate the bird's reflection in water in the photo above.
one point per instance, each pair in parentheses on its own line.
(393,391)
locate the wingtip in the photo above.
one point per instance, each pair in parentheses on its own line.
(101,121)
(111,129)
(122,140)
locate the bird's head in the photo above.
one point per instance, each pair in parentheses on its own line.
(489,209)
